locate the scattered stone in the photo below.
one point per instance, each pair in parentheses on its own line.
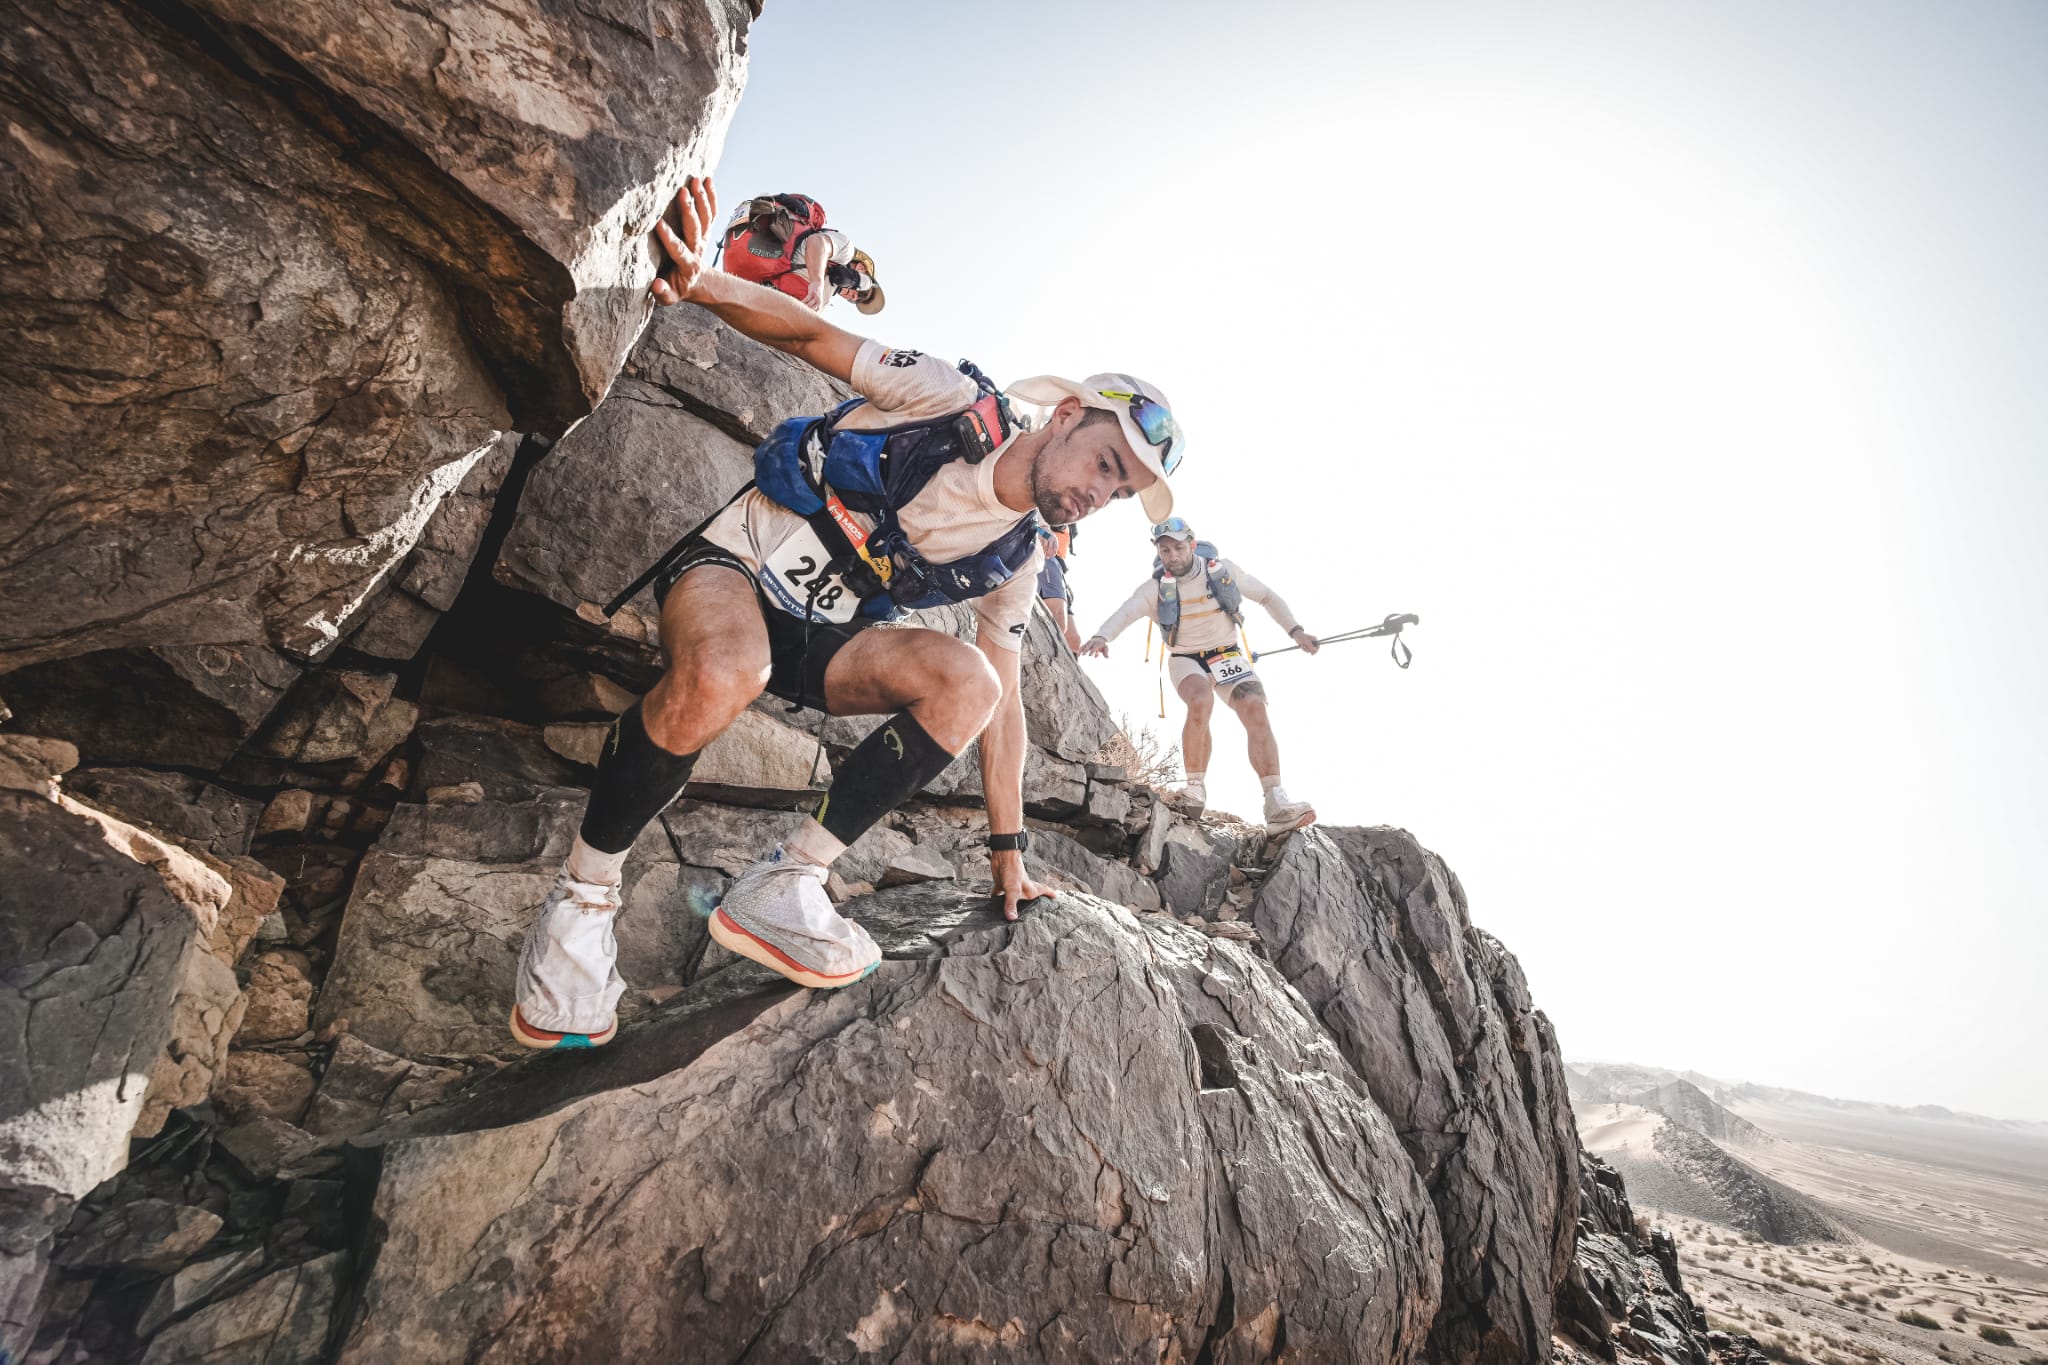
(578,741)
(279,996)
(459,794)
(176,706)
(579,696)
(204,1018)
(194,1283)
(1192,880)
(342,717)
(915,865)
(289,812)
(264,1085)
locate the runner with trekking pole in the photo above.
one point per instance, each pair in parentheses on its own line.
(1196,598)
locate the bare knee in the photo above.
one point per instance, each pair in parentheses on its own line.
(707,687)
(1201,706)
(969,679)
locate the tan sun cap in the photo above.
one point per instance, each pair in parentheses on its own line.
(869,299)
(1046,390)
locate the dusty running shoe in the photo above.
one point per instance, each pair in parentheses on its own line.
(1283,816)
(776,913)
(1192,798)
(568,986)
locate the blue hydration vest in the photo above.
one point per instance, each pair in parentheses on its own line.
(817,470)
(1221,586)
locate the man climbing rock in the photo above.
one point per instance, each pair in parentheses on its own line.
(921,492)
(1197,599)
(781,240)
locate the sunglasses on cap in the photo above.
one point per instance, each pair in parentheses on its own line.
(1155,421)
(1173,526)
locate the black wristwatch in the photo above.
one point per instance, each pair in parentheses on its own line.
(1005,843)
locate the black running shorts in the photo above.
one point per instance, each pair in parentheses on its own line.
(797,657)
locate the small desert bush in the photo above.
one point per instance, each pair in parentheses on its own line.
(1773,1319)
(1913,1317)
(1997,1336)
(1961,1315)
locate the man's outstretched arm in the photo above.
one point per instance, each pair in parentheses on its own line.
(769,316)
(1140,604)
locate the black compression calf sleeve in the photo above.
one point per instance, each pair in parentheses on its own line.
(637,779)
(884,770)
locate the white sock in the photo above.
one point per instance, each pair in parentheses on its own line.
(1195,779)
(813,843)
(587,864)
(1270,783)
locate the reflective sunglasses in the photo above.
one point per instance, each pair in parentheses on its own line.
(1172,526)
(1156,422)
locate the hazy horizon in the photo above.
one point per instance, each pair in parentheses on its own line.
(1681,367)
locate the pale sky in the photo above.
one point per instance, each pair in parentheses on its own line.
(1681,366)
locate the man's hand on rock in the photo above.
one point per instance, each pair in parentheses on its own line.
(690,251)
(1006,868)
(1095,647)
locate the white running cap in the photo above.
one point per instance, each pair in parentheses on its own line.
(1046,390)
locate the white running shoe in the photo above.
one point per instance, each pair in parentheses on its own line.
(568,987)
(776,913)
(1283,816)
(1191,799)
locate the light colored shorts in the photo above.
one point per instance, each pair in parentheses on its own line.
(1226,667)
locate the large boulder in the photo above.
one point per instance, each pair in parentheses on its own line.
(1079,1137)
(1373,931)
(282,273)
(96,922)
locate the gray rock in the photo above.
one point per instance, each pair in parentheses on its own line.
(279,998)
(176,805)
(915,865)
(282,1319)
(1113,881)
(34,764)
(270,1085)
(486,831)
(92,947)
(152,1235)
(544,182)
(189,706)
(271,1149)
(736,384)
(509,760)
(398,622)
(194,1283)
(1192,879)
(281,391)
(1372,930)
(342,717)
(204,1018)
(611,497)
(364,1086)
(1016,1147)
(1107,804)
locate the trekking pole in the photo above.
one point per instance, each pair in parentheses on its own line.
(1402,654)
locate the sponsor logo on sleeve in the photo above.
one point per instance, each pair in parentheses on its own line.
(901,360)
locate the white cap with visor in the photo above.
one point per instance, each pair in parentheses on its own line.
(1141,409)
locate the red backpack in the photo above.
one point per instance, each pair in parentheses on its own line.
(763,246)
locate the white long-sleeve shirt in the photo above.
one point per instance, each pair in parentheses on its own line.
(1204,625)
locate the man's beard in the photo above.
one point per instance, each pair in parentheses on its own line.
(1052,507)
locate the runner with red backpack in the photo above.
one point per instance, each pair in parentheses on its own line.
(781,240)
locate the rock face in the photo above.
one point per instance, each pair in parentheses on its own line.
(975,1179)
(1372,929)
(283,273)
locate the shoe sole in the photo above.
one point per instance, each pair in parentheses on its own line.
(1303,823)
(544,1040)
(726,931)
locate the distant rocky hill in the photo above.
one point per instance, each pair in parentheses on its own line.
(1674,1096)
(333,415)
